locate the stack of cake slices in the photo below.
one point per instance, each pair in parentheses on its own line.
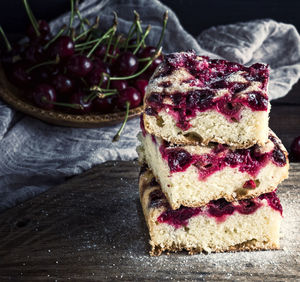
(210,165)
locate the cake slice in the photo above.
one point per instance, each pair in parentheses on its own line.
(193,99)
(217,227)
(194,175)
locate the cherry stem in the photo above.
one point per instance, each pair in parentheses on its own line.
(98,92)
(142,39)
(53,62)
(165,20)
(94,26)
(130,33)
(104,36)
(157,54)
(115,48)
(139,29)
(144,59)
(71,17)
(73,106)
(78,14)
(32,18)
(114,28)
(55,37)
(8,45)
(117,136)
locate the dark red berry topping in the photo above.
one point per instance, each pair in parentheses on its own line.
(179,217)
(248,206)
(273,201)
(178,159)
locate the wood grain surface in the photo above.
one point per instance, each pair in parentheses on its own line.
(91,228)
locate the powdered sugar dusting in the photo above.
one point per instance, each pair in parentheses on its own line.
(123,236)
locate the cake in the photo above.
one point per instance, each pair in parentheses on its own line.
(193,99)
(219,226)
(193,175)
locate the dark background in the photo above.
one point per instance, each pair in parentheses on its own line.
(195,15)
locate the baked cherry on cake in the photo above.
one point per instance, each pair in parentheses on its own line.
(193,175)
(251,224)
(193,99)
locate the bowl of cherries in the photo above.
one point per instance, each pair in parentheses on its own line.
(79,76)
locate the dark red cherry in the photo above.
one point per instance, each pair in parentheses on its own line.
(79,65)
(178,159)
(63,84)
(100,52)
(228,108)
(130,95)
(81,99)
(257,101)
(247,206)
(179,217)
(126,64)
(146,52)
(105,105)
(34,53)
(44,95)
(141,84)
(295,148)
(19,76)
(100,65)
(63,47)
(119,84)
(149,51)
(95,77)
(200,99)
(220,207)
(43,27)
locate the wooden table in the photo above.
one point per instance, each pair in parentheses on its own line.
(91,228)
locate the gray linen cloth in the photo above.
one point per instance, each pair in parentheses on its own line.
(35,156)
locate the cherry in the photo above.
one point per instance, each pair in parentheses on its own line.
(43,95)
(157,197)
(130,95)
(119,84)
(43,28)
(247,206)
(178,217)
(100,65)
(95,77)
(63,47)
(228,108)
(80,99)
(79,65)
(141,84)
(220,207)
(18,74)
(126,64)
(101,50)
(178,159)
(149,51)
(63,84)
(104,105)
(257,101)
(295,148)
(201,99)
(34,53)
